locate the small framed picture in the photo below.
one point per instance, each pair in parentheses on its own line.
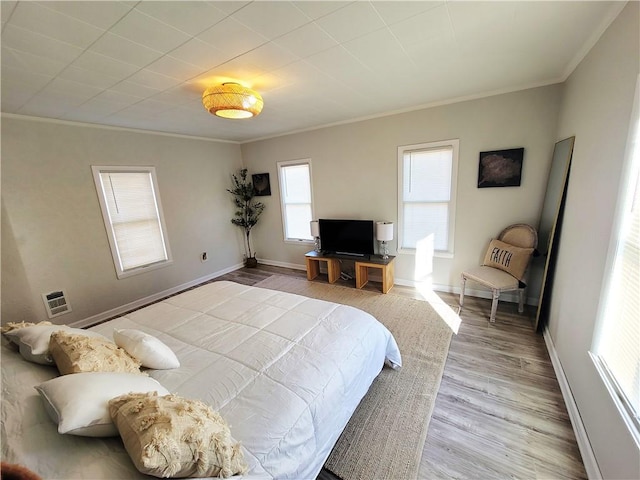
(500,168)
(261,185)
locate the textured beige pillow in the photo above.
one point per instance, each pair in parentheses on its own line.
(511,259)
(74,353)
(171,436)
(15,325)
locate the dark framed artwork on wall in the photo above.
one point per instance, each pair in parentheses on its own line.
(261,185)
(500,168)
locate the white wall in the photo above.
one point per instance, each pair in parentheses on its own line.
(53,235)
(596,108)
(355,169)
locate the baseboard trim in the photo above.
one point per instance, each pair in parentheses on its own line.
(588,457)
(114,312)
(275,263)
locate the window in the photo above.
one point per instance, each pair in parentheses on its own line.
(133,218)
(616,348)
(296,197)
(427,175)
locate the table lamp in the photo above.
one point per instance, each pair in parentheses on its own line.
(315,233)
(384,234)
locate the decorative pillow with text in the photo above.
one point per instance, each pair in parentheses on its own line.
(509,258)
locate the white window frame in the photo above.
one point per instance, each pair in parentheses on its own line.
(120,271)
(282,165)
(628,189)
(454,144)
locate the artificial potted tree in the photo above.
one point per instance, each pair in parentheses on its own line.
(247,212)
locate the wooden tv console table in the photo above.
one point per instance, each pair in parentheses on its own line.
(362,267)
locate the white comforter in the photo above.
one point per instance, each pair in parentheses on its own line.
(285,371)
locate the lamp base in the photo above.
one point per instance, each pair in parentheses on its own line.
(385,251)
(317,244)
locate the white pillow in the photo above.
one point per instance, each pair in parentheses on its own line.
(79,403)
(149,350)
(33,341)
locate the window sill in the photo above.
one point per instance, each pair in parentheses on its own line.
(290,241)
(146,268)
(440,254)
(632,424)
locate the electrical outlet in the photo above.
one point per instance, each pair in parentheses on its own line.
(204,257)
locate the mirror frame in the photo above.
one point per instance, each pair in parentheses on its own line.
(551,220)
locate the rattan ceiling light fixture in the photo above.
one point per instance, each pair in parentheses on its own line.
(232,100)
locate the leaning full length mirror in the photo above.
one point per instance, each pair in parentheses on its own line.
(550,221)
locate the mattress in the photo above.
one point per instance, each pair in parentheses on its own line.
(285,371)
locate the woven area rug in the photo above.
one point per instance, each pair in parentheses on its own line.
(385,437)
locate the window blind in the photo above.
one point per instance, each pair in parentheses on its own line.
(426,196)
(295,182)
(618,347)
(135,221)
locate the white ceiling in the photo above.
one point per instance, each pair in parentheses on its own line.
(145,64)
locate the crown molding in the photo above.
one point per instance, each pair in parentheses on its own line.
(110,127)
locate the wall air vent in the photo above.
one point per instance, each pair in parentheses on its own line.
(56,303)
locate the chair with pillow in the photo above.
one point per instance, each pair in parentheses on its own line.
(505,265)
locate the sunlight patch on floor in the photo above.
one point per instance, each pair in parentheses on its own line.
(423,269)
(450,317)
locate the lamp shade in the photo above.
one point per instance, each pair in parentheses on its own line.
(384,231)
(232,100)
(315,228)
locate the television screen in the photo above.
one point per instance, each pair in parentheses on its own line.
(347,237)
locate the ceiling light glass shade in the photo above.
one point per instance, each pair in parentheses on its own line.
(231,100)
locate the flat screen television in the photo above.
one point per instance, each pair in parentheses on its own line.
(347,237)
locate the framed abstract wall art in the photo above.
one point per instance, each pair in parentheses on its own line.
(500,168)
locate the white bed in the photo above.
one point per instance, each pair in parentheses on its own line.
(285,371)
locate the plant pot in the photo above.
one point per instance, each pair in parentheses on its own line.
(251,262)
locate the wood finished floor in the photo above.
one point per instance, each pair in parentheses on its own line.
(499,412)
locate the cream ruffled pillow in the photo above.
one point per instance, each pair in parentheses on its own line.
(33,339)
(171,436)
(74,353)
(15,325)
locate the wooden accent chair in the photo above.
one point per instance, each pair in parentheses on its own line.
(505,265)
